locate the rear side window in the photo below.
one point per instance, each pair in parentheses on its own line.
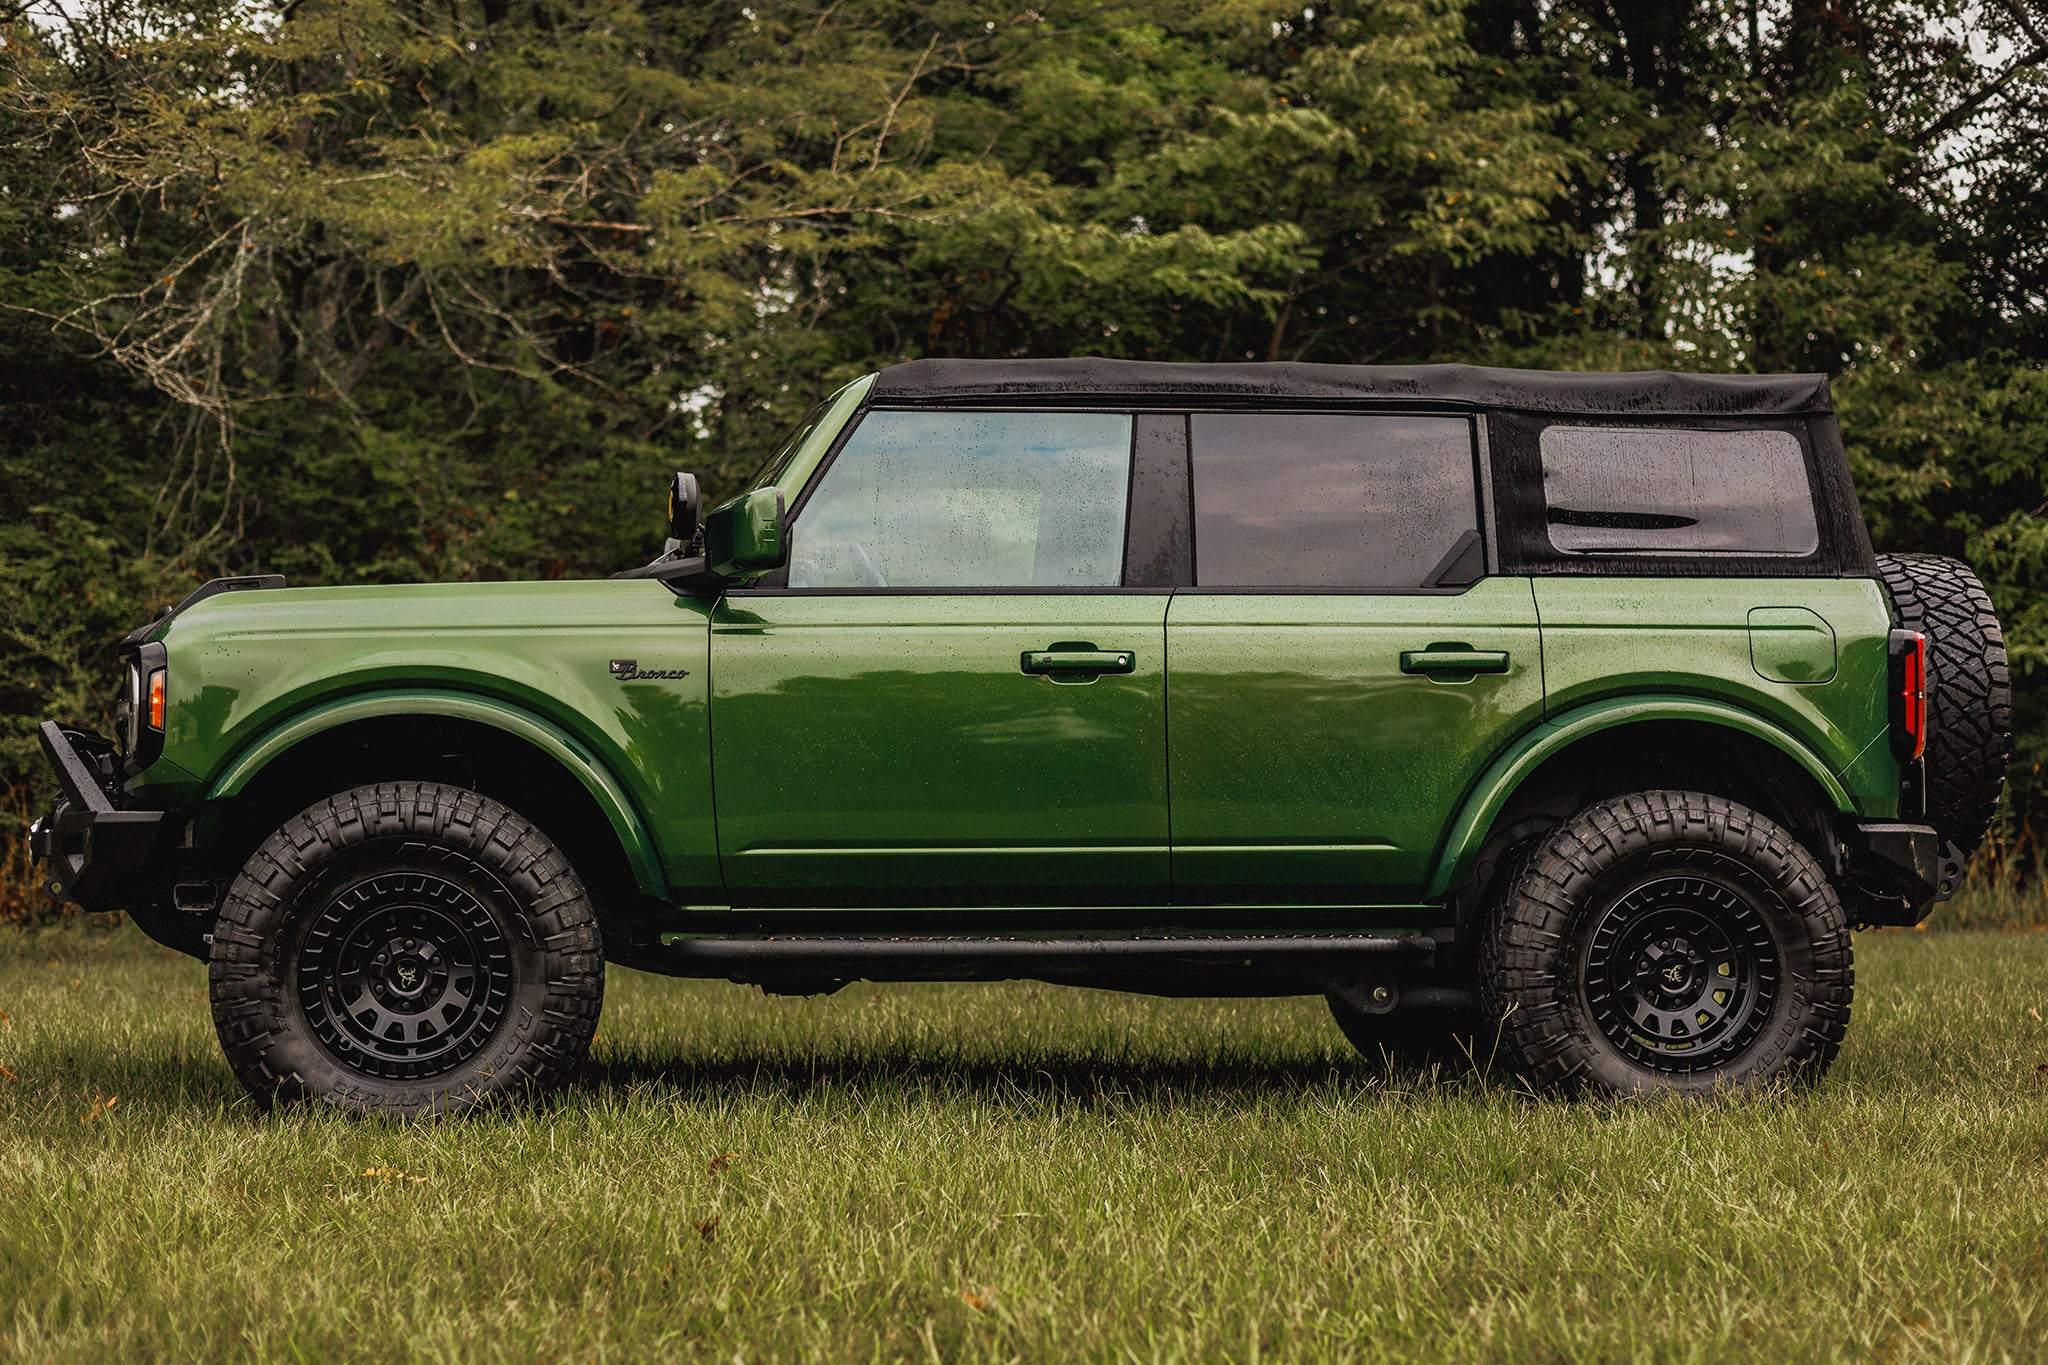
(1651,490)
(1317,500)
(970,500)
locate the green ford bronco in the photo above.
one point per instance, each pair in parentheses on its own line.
(1565,719)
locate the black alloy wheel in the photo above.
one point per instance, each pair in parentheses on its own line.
(1680,974)
(404,975)
(1667,941)
(406,948)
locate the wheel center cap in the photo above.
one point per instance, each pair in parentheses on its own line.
(1670,969)
(405,970)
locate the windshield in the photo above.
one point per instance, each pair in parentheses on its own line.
(771,471)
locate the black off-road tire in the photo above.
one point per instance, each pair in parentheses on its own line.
(405,949)
(1419,1037)
(1969,732)
(1605,959)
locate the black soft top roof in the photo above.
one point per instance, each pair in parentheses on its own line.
(1650,393)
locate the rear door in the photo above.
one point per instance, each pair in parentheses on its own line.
(1345,666)
(955,698)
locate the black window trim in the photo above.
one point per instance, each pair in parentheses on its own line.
(1160,523)
(1834,558)
(1489,534)
(1528,552)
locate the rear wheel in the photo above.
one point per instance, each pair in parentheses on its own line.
(1668,941)
(405,948)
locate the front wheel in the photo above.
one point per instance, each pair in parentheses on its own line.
(405,948)
(1668,941)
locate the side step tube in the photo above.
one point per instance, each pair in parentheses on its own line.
(955,958)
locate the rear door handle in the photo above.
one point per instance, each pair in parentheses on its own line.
(1454,661)
(1078,661)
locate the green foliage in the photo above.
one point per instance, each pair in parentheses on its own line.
(364,289)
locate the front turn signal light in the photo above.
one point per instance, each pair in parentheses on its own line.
(156,700)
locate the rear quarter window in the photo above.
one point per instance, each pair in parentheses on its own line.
(1674,491)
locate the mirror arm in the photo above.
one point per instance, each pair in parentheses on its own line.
(693,575)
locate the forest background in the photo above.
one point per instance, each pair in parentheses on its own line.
(392,290)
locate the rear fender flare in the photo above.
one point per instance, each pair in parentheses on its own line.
(603,788)
(1497,785)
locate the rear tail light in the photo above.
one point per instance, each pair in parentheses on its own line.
(1909,694)
(156,699)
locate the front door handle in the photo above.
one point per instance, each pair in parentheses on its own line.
(1454,661)
(1073,661)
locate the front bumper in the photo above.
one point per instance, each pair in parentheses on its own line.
(1897,872)
(96,845)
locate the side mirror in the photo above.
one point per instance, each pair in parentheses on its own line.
(685,507)
(745,536)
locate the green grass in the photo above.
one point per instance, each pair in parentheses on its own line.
(1995,896)
(1106,1177)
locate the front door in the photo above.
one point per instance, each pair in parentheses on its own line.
(1343,669)
(953,700)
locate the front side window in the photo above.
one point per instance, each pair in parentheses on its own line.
(970,500)
(1330,500)
(1667,490)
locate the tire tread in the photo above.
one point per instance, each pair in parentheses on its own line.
(556,917)
(1969,741)
(1526,940)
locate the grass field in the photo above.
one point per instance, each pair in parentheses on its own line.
(1021,1172)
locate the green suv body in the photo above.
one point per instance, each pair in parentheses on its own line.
(1237,679)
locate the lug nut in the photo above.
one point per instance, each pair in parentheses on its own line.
(1381,995)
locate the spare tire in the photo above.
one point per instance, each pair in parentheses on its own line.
(1969,703)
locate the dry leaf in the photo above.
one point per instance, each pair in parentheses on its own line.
(104,1106)
(2033,1013)
(980,1300)
(708,1229)
(721,1161)
(5,1018)
(5,1074)
(389,1174)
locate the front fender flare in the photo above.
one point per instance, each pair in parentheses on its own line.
(1507,772)
(603,788)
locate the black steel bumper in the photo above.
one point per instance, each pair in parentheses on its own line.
(95,844)
(1897,872)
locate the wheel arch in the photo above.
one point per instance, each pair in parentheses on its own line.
(1608,748)
(500,749)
